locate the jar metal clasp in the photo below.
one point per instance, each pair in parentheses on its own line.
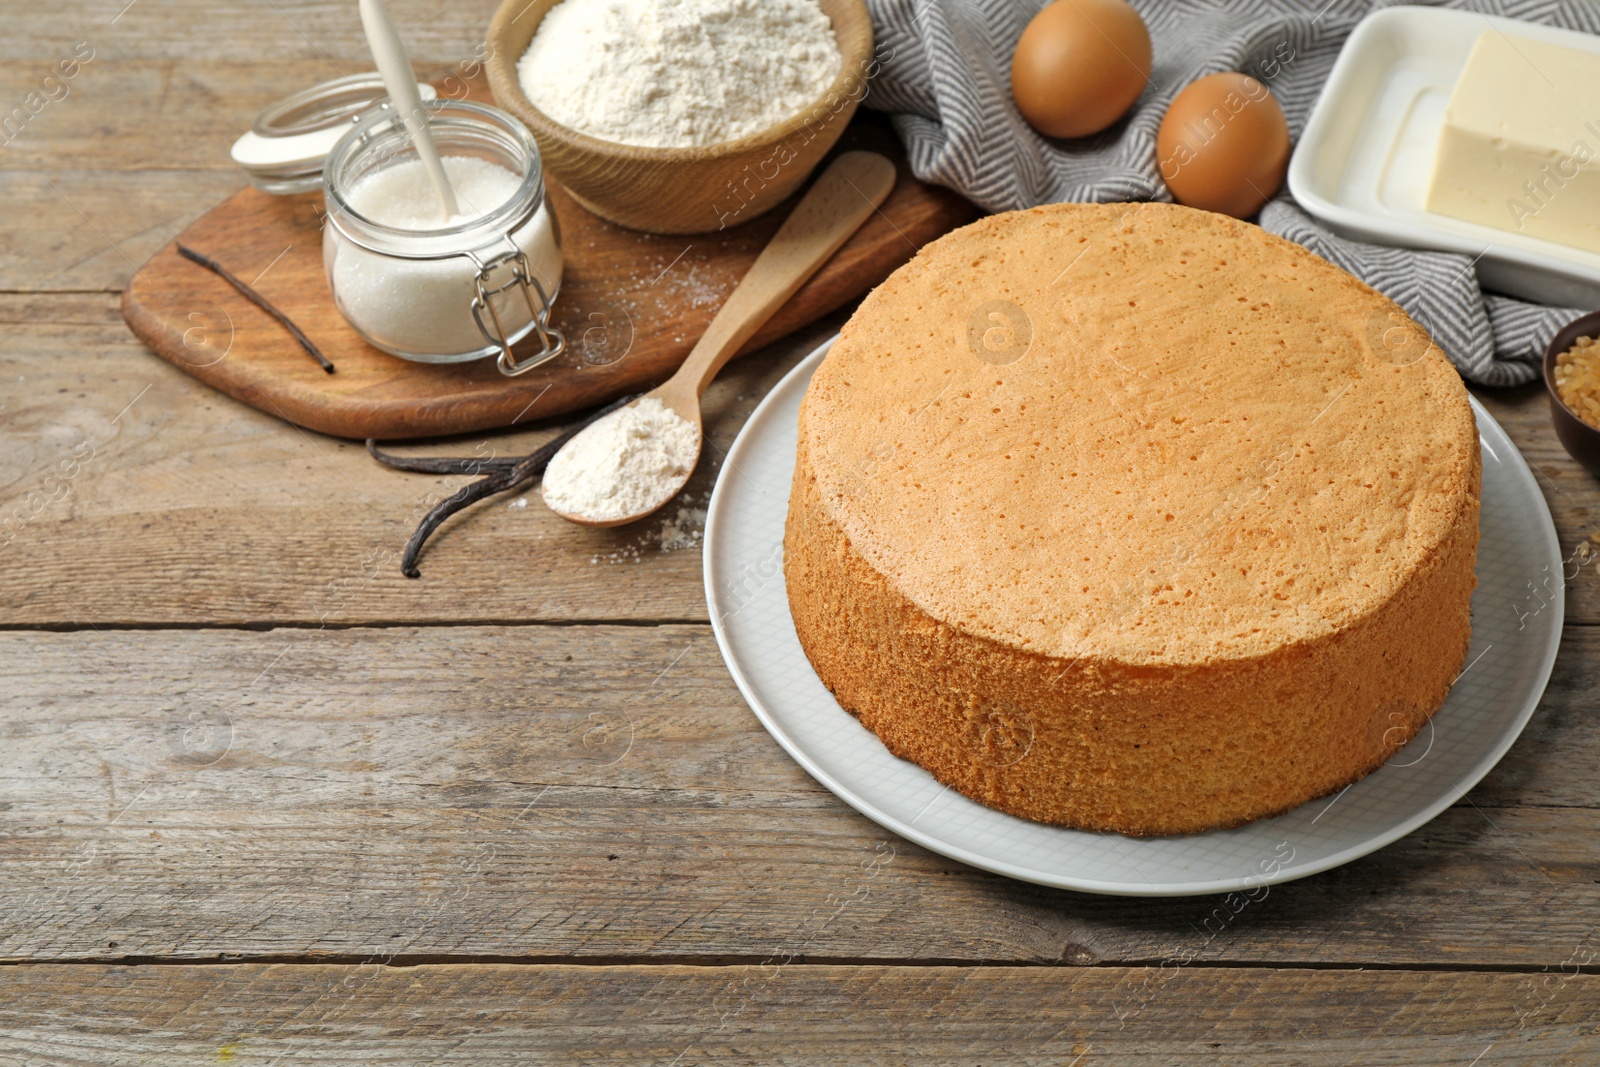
(514,273)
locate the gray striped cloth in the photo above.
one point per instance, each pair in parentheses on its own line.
(944,78)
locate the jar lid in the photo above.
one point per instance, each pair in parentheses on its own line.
(286,146)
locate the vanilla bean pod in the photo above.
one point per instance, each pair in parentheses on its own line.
(259,301)
(520,473)
(442,464)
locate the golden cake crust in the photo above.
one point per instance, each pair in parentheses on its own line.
(1134,518)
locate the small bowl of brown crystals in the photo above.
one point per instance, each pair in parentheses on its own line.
(1572,375)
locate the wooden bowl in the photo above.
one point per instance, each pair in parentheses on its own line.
(683,190)
(1581,440)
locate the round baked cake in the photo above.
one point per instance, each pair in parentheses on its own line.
(1134,518)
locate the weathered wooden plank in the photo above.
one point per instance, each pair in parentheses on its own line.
(61,309)
(90,229)
(160,113)
(777,1014)
(141,114)
(196,509)
(602,792)
(129,493)
(1556,761)
(243,31)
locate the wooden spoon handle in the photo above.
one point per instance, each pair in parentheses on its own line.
(838,202)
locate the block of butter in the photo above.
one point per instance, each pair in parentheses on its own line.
(1520,146)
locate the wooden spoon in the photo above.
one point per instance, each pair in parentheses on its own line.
(838,202)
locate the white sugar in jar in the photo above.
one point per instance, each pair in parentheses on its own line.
(437,290)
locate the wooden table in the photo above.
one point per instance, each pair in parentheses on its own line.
(264,800)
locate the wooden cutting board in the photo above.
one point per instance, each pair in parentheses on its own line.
(632,305)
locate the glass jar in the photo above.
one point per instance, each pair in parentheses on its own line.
(434,290)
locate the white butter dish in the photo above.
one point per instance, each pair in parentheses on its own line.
(1363,164)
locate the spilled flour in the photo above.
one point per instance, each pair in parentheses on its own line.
(686,529)
(683,530)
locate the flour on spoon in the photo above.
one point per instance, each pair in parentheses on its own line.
(627,463)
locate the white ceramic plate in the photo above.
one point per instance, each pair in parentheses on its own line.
(1516,611)
(1364,161)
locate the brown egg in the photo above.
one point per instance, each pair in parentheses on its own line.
(1079,66)
(1224,145)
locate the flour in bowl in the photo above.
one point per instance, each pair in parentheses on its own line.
(628,462)
(688,73)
